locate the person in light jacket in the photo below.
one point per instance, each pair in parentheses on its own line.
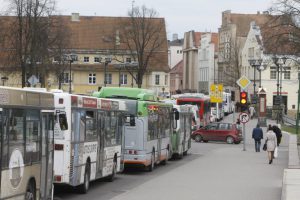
(271,144)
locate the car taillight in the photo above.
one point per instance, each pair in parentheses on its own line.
(59,147)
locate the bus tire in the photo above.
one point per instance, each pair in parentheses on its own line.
(30,191)
(151,166)
(83,188)
(111,177)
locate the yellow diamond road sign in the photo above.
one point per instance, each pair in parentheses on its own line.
(243,82)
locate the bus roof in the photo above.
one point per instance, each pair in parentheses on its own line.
(26,97)
(126,93)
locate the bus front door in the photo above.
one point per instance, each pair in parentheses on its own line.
(46,188)
(101,129)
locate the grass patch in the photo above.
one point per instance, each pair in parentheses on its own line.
(290,129)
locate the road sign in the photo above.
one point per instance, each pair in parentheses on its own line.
(243,82)
(33,80)
(216,93)
(244,118)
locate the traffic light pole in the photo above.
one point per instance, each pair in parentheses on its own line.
(244,137)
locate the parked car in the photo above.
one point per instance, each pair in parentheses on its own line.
(218,132)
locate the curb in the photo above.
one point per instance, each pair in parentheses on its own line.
(291,176)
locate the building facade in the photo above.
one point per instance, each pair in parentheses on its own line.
(175,51)
(208,62)
(176,78)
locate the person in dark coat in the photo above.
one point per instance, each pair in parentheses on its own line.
(278,134)
(257,135)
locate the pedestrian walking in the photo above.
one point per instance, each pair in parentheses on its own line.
(278,134)
(257,135)
(251,111)
(271,142)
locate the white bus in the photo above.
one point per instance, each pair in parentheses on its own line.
(227,103)
(26,146)
(217,112)
(88,146)
(181,137)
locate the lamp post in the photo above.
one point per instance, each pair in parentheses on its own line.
(255,63)
(107,60)
(279,66)
(71,58)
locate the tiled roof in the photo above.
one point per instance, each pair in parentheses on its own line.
(96,33)
(178,68)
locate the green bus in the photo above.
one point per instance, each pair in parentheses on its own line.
(148,126)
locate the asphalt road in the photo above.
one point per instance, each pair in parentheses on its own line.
(211,171)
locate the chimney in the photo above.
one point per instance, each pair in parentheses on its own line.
(175,37)
(75,17)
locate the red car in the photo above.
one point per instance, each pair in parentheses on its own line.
(227,132)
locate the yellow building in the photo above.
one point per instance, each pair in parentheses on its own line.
(92,41)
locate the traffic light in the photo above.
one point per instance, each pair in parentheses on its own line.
(243,98)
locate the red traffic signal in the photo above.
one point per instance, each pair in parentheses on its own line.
(243,97)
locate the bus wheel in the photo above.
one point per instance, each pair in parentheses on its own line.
(83,188)
(30,193)
(151,166)
(114,171)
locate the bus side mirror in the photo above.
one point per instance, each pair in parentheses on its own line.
(132,120)
(176,113)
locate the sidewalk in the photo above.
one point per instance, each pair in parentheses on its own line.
(226,173)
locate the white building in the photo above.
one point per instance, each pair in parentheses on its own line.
(254,49)
(207,66)
(175,54)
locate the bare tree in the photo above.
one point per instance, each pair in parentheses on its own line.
(282,32)
(143,34)
(29,33)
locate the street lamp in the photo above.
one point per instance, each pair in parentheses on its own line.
(279,65)
(71,58)
(255,63)
(261,68)
(106,61)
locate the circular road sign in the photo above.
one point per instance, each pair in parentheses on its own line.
(244,117)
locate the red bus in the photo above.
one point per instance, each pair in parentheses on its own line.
(203,104)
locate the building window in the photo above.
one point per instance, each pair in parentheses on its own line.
(86,59)
(92,78)
(157,79)
(181,51)
(128,60)
(273,73)
(108,78)
(96,59)
(65,78)
(166,79)
(287,73)
(177,51)
(123,79)
(251,52)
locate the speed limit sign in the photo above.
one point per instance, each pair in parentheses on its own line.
(244,117)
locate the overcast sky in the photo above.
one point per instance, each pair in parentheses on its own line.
(180,15)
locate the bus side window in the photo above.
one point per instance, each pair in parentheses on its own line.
(91,126)
(32,136)
(63,123)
